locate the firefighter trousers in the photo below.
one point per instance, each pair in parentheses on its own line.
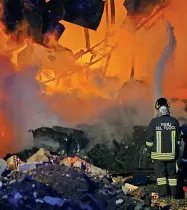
(165,172)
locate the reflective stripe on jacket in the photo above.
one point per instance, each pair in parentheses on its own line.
(162,137)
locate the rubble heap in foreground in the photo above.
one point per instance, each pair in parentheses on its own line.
(54,177)
(46,181)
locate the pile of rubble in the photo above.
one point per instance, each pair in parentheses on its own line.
(58,174)
(46,181)
(61,140)
(124,156)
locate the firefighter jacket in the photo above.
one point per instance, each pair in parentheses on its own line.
(163,135)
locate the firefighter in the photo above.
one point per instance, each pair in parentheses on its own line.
(162,137)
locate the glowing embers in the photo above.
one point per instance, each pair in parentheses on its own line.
(145,13)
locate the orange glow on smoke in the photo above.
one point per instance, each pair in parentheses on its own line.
(80,87)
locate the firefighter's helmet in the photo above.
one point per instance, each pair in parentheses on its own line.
(162,102)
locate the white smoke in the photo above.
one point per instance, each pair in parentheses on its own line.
(26,106)
(160,66)
(141,110)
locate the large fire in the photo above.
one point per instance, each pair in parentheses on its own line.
(77,90)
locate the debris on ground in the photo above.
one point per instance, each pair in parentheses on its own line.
(23,155)
(62,187)
(122,158)
(63,141)
(13,162)
(3,165)
(87,167)
(129,188)
(69,183)
(48,179)
(69,142)
(39,156)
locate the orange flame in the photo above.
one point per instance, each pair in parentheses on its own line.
(62,73)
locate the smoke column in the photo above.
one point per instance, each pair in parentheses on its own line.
(24,106)
(159,70)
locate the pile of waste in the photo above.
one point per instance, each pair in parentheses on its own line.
(124,156)
(46,181)
(61,140)
(58,174)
